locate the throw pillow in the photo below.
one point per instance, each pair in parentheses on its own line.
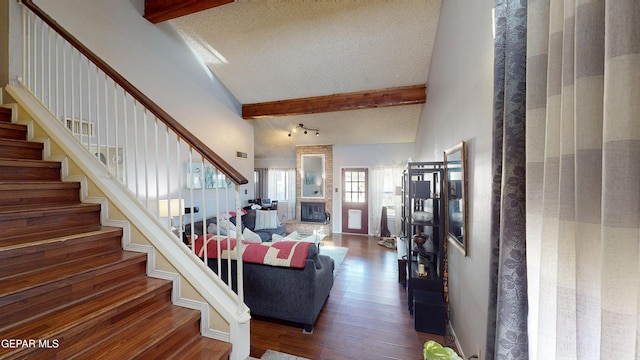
(227,225)
(213,229)
(266,219)
(251,236)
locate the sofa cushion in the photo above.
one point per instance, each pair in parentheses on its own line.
(213,228)
(249,235)
(249,220)
(266,219)
(267,234)
(226,225)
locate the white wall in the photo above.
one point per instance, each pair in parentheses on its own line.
(158,62)
(276,163)
(459,107)
(367,156)
(4,42)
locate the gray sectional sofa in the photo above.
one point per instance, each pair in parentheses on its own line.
(285,293)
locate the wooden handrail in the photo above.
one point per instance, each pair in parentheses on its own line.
(173,124)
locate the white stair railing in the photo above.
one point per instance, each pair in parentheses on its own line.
(165,167)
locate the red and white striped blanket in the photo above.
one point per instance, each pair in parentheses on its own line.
(281,253)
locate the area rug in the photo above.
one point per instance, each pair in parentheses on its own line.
(276,355)
(337,253)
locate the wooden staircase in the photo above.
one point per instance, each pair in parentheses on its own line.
(67,288)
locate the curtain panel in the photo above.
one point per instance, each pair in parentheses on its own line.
(262,186)
(383,182)
(507,313)
(583,178)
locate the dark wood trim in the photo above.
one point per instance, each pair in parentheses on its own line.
(173,124)
(161,10)
(404,95)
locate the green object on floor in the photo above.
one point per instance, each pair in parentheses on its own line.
(435,351)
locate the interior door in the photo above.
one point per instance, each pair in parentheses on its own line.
(355,201)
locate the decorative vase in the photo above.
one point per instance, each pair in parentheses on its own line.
(420,239)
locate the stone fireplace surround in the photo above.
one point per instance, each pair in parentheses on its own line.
(308,227)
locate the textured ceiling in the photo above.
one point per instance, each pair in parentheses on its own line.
(277,50)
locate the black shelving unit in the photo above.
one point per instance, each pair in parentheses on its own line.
(422,193)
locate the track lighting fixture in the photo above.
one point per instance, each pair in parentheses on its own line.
(306,130)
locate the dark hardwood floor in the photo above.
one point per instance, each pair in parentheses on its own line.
(365,317)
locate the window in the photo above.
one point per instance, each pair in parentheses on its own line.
(355,187)
(281,185)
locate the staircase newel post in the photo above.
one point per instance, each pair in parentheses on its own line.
(239,250)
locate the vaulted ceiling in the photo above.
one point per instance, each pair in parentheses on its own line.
(329,55)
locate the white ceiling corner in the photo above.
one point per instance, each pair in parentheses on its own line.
(277,50)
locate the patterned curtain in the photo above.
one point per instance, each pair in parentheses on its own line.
(583,178)
(507,313)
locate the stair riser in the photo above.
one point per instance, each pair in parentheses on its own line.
(30,258)
(14,134)
(19,152)
(13,226)
(148,336)
(173,341)
(26,173)
(77,339)
(39,196)
(48,297)
(5,114)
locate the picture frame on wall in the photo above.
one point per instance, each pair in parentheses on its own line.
(456,202)
(208,178)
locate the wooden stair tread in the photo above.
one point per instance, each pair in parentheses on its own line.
(17,194)
(58,237)
(203,348)
(30,163)
(38,210)
(21,143)
(56,324)
(29,255)
(13,126)
(47,277)
(144,335)
(21,241)
(20,185)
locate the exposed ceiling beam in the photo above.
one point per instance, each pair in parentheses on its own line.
(161,10)
(405,95)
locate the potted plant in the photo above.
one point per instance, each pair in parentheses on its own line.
(434,351)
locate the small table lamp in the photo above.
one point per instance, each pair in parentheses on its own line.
(171,208)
